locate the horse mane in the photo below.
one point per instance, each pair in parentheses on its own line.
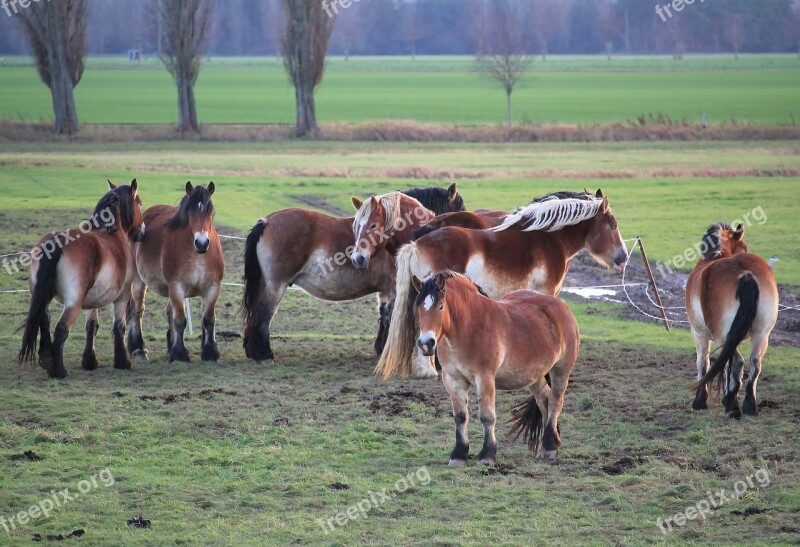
(553,212)
(429,288)
(436,199)
(712,240)
(189,204)
(391,204)
(120,202)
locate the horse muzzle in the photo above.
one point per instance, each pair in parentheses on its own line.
(620,258)
(428,347)
(360,262)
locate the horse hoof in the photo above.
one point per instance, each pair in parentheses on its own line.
(457,463)
(89,363)
(123,365)
(140,355)
(699,405)
(547,454)
(210,356)
(180,355)
(750,409)
(57,374)
(735,414)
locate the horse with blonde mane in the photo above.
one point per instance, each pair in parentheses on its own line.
(509,344)
(531,249)
(731,295)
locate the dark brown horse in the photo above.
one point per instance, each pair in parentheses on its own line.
(531,249)
(731,296)
(180,258)
(84,268)
(313,251)
(508,344)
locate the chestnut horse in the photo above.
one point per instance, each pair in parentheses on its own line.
(312,250)
(531,249)
(84,268)
(731,296)
(180,258)
(508,344)
(477,220)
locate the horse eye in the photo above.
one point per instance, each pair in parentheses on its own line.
(441,308)
(373,226)
(613,225)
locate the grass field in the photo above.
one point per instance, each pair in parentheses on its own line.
(245,453)
(573,90)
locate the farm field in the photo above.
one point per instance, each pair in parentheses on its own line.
(758,89)
(245,453)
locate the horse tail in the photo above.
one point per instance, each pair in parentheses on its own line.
(528,422)
(43,293)
(253,282)
(395,360)
(747,294)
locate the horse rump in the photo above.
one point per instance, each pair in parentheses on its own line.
(747,293)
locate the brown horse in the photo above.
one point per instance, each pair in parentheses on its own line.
(313,251)
(180,258)
(531,249)
(84,268)
(508,345)
(477,220)
(731,296)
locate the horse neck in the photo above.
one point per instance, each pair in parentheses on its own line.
(573,238)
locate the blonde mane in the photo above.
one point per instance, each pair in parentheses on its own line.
(391,204)
(552,214)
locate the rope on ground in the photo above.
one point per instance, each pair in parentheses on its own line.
(232,237)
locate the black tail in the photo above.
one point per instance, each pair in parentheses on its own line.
(43,293)
(253,278)
(747,294)
(528,422)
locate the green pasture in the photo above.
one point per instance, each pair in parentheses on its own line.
(570,90)
(249,454)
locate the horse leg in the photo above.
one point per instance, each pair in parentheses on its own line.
(209,342)
(257,344)
(135,339)
(60,336)
(385,307)
(89,360)
(732,385)
(121,359)
(45,343)
(458,389)
(703,347)
(177,351)
(551,437)
(168,313)
(486,405)
(759,348)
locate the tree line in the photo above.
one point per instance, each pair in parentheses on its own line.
(504,36)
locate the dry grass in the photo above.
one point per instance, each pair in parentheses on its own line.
(409,131)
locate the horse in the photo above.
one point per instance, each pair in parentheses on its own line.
(180,258)
(312,250)
(473,220)
(84,268)
(531,249)
(731,296)
(509,344)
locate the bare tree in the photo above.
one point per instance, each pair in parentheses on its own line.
(548,17)
(735,27)
(504,59)
(349,33)
(184,27)
(305,43)
(411,26)
(56,31)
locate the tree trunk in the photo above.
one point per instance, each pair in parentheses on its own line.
(65,115)
(306,111)
(510,112)
(187,109)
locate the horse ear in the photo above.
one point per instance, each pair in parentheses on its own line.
(111,185)
(417,282)
(738,233)
(134,186)
(357,203)
(211,188)
(605,204)
(374,201)
(452,192)
(189,187)
(599,193)
(439,283)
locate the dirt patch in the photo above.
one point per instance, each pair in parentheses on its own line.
(749,512)
(397,402)
(59,537)
(622,465)
(339,486)
(139,522)
(206,394)
(321,203)
(28,456)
